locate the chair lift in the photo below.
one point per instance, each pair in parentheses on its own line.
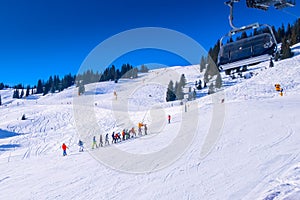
(250,50)
(265,4)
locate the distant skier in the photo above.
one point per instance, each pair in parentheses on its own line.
(94,143)
(145,128)
(113,138)
(169,119)
(140,125)
(106,139)
(80,144)
(133,133)
(101,141)
(123,134)
(64,148)
(281,92)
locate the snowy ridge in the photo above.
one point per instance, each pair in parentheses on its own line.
(256,157)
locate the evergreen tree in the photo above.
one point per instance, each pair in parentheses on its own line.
(16,94)
(0,101)
(202,64)
(285,49)
(182,81)
(219,81)
(170,92)
(81,88)
(27,91)
(46,89)
(294,34)
(213,53)
(39,89)
(22,94)
(211,89)
(178,91)
(281,33)
(1,86)
(144,69)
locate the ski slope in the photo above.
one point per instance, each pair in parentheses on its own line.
(255,156)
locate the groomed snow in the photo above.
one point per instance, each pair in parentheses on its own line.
(255,157)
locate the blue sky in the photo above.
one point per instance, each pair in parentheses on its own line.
(43,38)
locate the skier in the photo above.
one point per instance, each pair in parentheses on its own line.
(123,134)
(127,134)
(117,137)
(277,87)
(106,139)
(281,92)
(101,141)
(140,124)
(64,148)
(146,128)
(113,138)
(80,144)
(133,132)
(94,143)
(169,119)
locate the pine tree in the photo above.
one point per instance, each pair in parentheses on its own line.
(178,91)
(39,89)
(170,92)
(202,64)
(182,81)
(81,88)
(0,101)
(22,94)
(219,81)
(294,35)
(1,86)
(16,94)
(27,91)
(285,49)
(213,53)
(46,89)
(211,89)
(144,69)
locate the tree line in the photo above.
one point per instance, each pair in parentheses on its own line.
(175,92)
(57,84)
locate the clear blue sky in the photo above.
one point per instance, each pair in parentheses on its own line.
(39,38)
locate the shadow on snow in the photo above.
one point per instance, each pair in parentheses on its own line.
(7,134)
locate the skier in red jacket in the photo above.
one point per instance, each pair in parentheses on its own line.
(64,148)
(169,118)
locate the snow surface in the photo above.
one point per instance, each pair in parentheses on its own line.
(256,155)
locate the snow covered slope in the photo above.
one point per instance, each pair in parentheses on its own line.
(255,156)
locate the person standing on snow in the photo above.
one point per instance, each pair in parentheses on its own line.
(101,141)
(169,119)
(140,125)
(80,144)
(106,139)
(94,143)
(113,138)
(64,148)
(145,128)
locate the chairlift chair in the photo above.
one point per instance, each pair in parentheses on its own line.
(253,49)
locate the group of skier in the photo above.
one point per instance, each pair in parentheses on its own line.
(116,137)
